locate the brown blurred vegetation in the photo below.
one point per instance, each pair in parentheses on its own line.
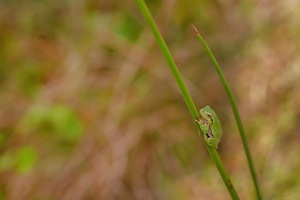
(89,109)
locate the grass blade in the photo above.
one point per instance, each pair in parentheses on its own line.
(235,112)
(192,108)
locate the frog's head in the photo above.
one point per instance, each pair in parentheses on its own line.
(207,113)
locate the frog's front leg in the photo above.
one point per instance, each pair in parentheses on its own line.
(204,125)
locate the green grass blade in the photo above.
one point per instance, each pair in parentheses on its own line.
(235,111)
(163,47)
(192,108)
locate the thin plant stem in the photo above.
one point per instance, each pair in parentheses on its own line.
(235,112)
(163,47)
(187,97)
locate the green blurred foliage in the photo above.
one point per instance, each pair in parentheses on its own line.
(22,160)
(56,121)
(26,158)
(89,109)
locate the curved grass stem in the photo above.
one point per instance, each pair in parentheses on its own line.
(235,112)
(187,97)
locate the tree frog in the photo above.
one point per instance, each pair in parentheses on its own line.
(210,125)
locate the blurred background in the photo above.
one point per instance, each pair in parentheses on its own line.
(89,109)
